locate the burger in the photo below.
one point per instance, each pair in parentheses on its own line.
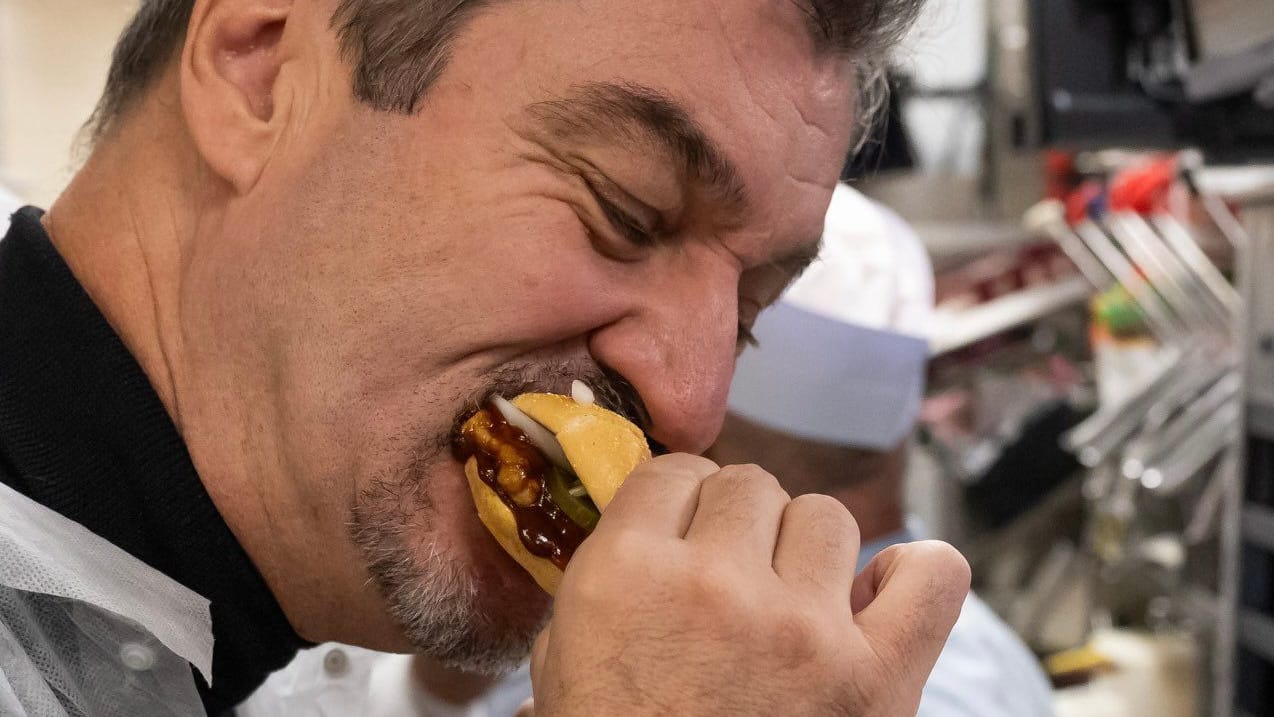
(542,467)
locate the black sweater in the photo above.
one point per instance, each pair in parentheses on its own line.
(83,432)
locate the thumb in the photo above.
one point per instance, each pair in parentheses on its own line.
(539,653)
(527,709)
(907,600)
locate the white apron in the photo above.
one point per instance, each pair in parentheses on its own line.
(88,629)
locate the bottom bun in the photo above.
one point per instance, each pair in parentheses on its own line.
(499,521)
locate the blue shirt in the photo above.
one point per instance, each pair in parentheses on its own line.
(985,670)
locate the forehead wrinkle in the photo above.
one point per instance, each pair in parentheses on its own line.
(634,112)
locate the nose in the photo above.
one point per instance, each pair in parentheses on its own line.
(678,351)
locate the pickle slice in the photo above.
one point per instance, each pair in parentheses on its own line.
(579,509)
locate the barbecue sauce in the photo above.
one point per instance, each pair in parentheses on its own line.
(543,528)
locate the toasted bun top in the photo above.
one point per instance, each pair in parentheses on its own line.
(602,446)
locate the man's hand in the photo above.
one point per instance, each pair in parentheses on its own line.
(708,590)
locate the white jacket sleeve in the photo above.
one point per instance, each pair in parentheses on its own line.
(985,671)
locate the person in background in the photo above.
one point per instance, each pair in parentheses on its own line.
(827,399)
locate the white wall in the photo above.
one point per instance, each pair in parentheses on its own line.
(53,60)
(54,55)
(947,50)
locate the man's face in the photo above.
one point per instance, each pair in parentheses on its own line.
(590,186)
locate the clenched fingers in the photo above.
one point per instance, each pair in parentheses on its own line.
(818,546)
(738,515)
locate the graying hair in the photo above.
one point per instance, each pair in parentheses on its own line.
(398,48)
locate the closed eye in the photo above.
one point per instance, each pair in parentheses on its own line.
(637,223)
(627,225)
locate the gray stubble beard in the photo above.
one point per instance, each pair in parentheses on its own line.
(435,601)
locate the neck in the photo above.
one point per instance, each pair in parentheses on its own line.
(876,506)
(128,226)
(120,227)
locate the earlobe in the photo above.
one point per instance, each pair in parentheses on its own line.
(229,75)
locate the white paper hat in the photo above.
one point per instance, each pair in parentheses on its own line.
(842,354)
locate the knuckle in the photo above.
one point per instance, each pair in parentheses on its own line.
(716,588)
(820,503)
(825,510)
(677,467)
(581,585)
(826,519)
(727,608)
(622,551)
(750,478)
(713,582)
(685,463)
(605,566)
(794,640)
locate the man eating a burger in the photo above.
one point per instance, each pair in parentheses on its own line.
(314,238)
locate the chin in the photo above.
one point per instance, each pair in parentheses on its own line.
(455,594)
(500,582)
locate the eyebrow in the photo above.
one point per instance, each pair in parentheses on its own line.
(795,262)
(636,112)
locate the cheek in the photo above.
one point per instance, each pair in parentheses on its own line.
(416,329)
(524,274)
(396,272)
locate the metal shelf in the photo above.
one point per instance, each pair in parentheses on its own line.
(1244,184)
(956,329)
(1256,633)
(1260,419)
(1254,189)
(952,243)
(1258,526)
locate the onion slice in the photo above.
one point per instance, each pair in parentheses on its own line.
(582,393)
(541,437)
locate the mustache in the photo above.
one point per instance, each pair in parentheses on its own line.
(611,390)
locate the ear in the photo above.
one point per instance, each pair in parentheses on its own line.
(229,71)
